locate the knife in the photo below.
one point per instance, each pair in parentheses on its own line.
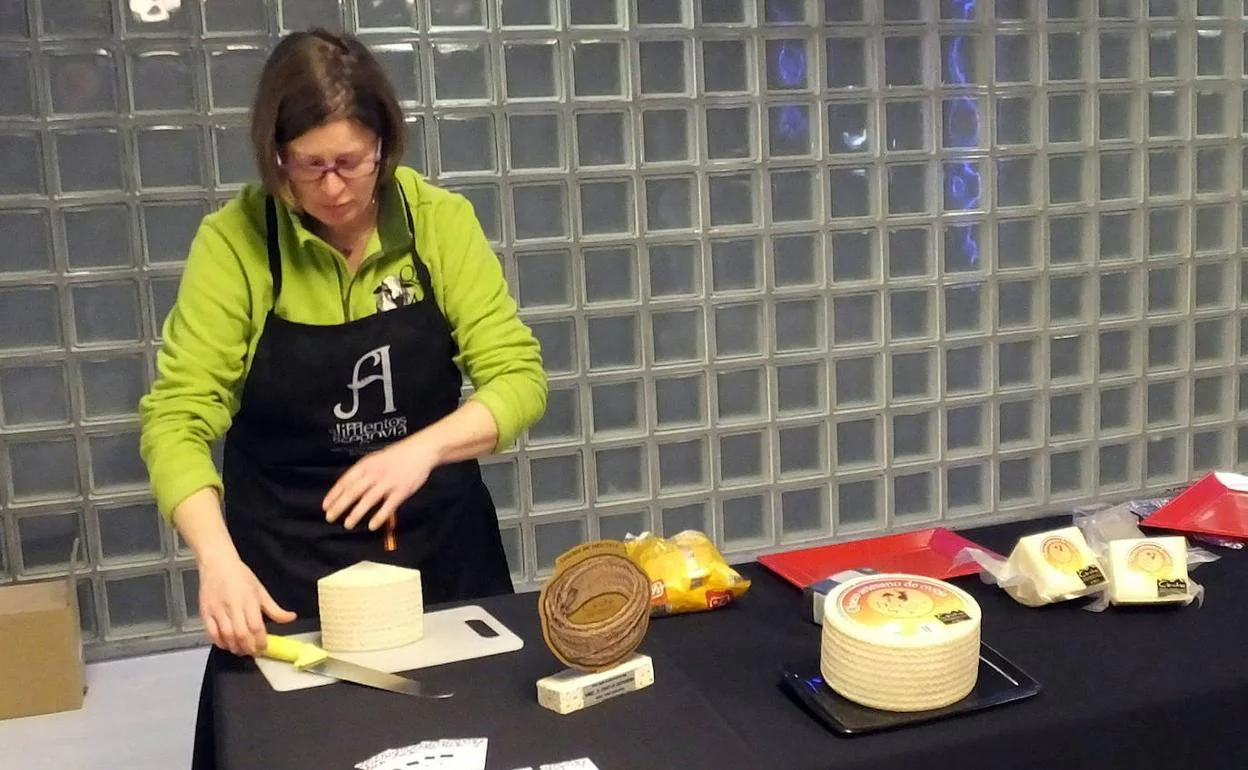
(308,657)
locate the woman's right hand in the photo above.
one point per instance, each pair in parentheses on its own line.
(232,603)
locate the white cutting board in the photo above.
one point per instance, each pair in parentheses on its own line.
(448,638)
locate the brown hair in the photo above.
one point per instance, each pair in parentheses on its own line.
(312,78)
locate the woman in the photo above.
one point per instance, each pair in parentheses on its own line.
(320,327)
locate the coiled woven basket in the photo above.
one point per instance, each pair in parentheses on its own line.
(596,612)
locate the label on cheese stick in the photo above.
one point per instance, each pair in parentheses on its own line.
(1173,587)
(1091,576)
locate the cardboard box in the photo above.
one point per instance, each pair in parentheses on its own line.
(42,669)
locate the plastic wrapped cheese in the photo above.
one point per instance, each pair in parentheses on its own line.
(1140,569)
(1150,570)
(1044,568)
(1060,564)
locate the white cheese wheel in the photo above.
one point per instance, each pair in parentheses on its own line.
(900,642)
(370,606)
(1148,570)
(1060,564)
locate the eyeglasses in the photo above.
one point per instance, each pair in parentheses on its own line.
(316,170)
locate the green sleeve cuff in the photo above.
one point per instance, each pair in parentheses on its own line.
(516,401)
(171,494)
(179,475)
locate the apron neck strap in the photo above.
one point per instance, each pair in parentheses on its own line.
(275,250)
(422,271)
(274,245)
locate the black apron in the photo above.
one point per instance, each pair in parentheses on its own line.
(316,400)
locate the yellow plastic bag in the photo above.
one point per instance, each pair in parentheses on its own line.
(687,573)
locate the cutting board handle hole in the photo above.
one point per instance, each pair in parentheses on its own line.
(482,628)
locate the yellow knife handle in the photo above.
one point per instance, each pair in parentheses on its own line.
(291,650)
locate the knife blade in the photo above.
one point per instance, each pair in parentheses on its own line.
(305,656)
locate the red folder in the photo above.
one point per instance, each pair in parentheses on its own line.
(1215,505)
(928,552)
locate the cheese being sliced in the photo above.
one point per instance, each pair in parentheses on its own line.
(900,642)
(1058,565)
(1148,570)
(370,606)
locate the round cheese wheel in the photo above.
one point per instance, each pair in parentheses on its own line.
(900,642)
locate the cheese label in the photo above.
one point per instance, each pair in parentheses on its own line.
(1063,555)
(1154,563)
(1151,559)
(904,606)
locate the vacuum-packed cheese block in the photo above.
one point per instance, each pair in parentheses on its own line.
(1057,565)
(1150,570)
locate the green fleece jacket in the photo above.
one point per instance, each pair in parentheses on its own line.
(226,292)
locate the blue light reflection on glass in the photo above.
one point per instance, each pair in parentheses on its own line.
(790,67)
(962,121)
(791,63)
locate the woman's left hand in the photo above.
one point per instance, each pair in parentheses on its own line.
(381,480)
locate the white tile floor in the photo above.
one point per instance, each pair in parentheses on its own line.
(139,714)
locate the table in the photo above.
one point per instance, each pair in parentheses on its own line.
(1146,688)
(1127,688)
(668,725)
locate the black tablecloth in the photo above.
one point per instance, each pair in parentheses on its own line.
(1126,688)
(1143,688)
(667,725)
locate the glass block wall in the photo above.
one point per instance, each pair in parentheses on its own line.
(802,270)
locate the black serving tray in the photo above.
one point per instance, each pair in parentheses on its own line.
(1000,682)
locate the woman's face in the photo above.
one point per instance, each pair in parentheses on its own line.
(333,171)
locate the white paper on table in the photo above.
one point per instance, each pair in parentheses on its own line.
(451,754)
(583,763)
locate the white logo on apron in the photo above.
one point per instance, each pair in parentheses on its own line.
(393,292)
(380,358)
